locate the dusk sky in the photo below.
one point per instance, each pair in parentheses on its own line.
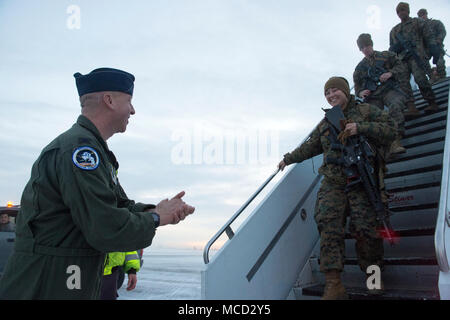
(223,88)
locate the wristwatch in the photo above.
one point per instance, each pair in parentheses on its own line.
(155,219)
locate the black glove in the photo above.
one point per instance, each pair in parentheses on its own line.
(435,52)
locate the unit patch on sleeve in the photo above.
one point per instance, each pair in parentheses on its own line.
(86,158)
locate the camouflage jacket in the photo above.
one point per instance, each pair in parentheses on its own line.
(385,59)
(438,30)
(417,32)
(374,124)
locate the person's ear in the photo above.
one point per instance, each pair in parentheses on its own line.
(108,99)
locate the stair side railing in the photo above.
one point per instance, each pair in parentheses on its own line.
(443,218)
(227,226)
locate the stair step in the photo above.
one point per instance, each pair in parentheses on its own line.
(418,152)
(426,119)
(413,166)
(425,128)
(436,86)
(428,196)
(407,232)
(441,98)
(410,246)
(407,181)
(410,261)
(439,92)
(423,139)
(360,293)
(412,219)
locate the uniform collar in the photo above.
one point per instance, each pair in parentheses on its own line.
(350,105)
(87,124)
(407,21)
(372,57)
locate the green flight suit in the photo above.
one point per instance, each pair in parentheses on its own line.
(73,211)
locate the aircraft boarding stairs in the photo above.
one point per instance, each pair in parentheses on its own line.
(274,254)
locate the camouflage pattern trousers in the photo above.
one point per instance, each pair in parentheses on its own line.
(420,77)
(395,101)
(333,205)
(440,65)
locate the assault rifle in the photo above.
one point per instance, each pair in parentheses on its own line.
(356,162)
(408,46)
(372,78)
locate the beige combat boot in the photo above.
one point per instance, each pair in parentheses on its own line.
(412,111)
(432,106)
(334,289)
(396,147)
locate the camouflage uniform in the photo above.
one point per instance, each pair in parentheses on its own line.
(333,204)
(388,93)
(417,32)
(438,30)
(332,207)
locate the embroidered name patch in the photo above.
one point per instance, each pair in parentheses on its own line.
(85,158)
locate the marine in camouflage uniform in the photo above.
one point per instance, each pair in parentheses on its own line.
(438,30)
(418,33)
(376,81)
(333,204)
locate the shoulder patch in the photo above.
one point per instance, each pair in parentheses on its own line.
(85,158)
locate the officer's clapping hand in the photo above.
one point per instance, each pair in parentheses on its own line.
(174,210)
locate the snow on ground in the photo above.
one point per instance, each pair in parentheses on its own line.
(167,274)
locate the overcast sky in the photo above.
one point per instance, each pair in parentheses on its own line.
(223,88)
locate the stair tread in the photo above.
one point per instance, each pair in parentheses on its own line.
(411,232)
(399,261)
(360,293)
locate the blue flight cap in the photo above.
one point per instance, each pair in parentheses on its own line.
(104,79)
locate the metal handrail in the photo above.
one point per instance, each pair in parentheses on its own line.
(226,228)
(443,219)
